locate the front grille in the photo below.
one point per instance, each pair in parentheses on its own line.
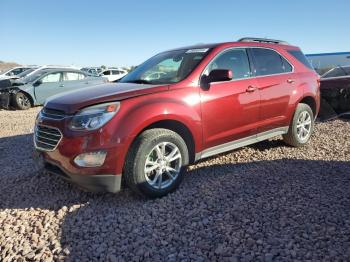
(53,113)
(47,138)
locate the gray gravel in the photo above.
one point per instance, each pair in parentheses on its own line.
(266,202)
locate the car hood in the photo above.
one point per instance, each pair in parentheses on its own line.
(71,102)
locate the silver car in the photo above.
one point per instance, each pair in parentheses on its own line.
(36,88)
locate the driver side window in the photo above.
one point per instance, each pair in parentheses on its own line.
(235,60)
(51,78)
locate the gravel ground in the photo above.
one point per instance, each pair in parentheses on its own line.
(266,202)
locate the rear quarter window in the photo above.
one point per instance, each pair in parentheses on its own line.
(301,58)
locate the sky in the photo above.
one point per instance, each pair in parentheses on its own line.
(125,33)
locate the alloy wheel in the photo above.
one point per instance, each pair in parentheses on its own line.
(163,165)
(304,125)
(23,101)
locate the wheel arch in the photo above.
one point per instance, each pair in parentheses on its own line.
(311,102)
(17,90)
(177,127)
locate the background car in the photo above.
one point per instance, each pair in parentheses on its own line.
(335,92)
(13,72)
(114,74)
(96,71)
(35,88)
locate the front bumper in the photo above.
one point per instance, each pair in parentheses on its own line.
(59,158)
(93,183)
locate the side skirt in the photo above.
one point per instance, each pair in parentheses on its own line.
(241,143)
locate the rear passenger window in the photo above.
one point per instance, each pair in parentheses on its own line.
(269,62)
(73,76)
(235,60)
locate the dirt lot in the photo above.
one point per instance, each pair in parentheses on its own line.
(263,202)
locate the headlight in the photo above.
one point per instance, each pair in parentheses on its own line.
(94,117)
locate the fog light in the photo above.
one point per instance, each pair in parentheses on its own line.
(92,159)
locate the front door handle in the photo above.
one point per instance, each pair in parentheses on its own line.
(251,89)
(61,85)
(290,81)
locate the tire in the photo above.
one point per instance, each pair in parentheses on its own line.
(149,147)
(296,135)
(22,101)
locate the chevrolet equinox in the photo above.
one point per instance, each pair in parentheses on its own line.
(176,108)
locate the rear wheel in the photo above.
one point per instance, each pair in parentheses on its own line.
(22,101)
(155,163)
(301,128)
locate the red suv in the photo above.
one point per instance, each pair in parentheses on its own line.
(176,108)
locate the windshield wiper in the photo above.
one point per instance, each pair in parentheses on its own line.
(139,81)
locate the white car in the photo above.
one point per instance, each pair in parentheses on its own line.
(13,72)
(114,74)
(36,69)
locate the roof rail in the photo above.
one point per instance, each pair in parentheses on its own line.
(262,40)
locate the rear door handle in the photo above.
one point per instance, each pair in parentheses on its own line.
(251,89)
(290,81)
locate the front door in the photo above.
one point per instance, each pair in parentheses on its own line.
(230,109)
(49,86)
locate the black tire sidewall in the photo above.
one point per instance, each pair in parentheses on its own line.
(17,104)
(142,153)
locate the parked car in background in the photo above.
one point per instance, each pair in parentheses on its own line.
(24,73)
(325,61)
(339,71)
(208,100)
(13,72)
(96,71)
(114,74)
(335,92)
(35,88)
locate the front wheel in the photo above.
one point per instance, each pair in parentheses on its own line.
(22,101)
(301,127)
(155,163)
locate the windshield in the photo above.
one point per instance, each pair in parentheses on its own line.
(337,72)
(27,72)
(33,77)
(168,67)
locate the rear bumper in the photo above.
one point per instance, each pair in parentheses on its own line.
(94,183)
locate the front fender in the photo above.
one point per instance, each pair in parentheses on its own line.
(136,115)
(29,91)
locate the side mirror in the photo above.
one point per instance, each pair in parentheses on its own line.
(219,75)
(216,75)
(37,83)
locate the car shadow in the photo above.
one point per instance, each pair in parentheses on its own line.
(275,207)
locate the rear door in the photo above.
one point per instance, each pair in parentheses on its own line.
(49,86)
(230,109)
(276,82)
(72,81)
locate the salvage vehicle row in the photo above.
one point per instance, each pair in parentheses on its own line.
(34,88)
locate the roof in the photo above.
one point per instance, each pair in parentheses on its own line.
(247,41)
(61,70)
